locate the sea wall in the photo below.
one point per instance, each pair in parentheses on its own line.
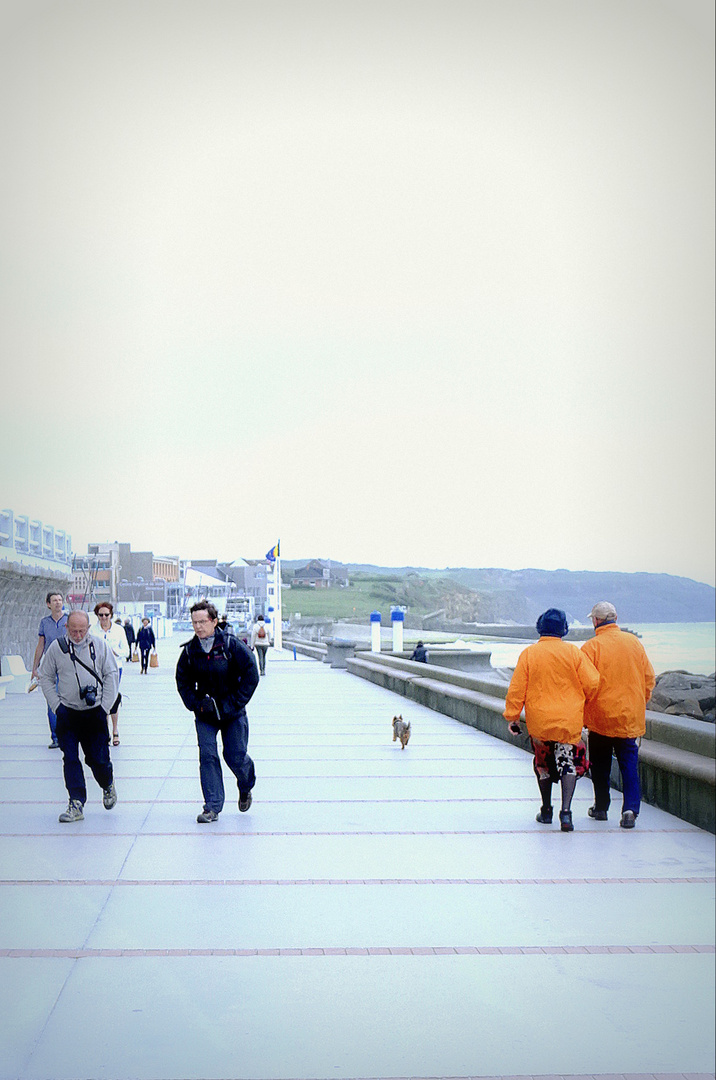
(22,604)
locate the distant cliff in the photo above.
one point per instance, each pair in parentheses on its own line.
(521,595)
(639,598)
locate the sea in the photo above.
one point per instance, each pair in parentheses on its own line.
(670,647)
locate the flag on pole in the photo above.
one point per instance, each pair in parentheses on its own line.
(274,553)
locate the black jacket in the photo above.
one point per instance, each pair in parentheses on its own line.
(129,632)
(228,674)
(145,639)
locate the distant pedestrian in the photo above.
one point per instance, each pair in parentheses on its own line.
(260,641)
(551,681)
(420,653)
(146,642)
(52,626)
(129,634)
(115,637)
(216,676)
(79,679)
(616,716)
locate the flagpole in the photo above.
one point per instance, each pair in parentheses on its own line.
(277,629)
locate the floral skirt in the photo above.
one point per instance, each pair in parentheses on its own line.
(554,760)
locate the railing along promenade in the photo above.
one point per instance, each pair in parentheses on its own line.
(677,756)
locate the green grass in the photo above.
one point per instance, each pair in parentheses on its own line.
(355,602)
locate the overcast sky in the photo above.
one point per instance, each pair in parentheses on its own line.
(412,282)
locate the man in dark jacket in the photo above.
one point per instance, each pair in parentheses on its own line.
(216,677)
(129,634)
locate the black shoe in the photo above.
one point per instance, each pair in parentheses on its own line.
(545,816)
(628,820)
(207,815)
(245,800)
(598,815)
(565,821)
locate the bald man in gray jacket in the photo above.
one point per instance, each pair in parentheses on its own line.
(79,678)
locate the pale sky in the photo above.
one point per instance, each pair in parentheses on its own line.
(419,282)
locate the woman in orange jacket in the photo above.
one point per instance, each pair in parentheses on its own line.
(615,716)
(552,681)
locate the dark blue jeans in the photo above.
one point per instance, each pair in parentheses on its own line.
(86,728)
(235,740)
(601,748)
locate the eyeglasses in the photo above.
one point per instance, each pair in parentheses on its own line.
(105,614)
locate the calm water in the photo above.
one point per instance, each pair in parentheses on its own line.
(669,646)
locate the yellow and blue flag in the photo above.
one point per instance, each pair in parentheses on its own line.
(274,553)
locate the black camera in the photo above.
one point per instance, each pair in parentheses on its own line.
(88,694)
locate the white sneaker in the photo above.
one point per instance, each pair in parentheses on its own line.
(73,812)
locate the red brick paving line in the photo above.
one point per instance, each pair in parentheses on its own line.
(241,835)
(415,950)
(548,1076)
(111,882)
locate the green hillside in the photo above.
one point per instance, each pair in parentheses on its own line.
(420,595)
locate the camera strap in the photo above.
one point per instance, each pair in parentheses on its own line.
(68,648)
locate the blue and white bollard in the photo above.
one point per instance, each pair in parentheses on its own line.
(398,618)
(375,631)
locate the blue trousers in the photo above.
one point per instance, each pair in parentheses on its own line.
(86,728)
(235,740)
(626,751)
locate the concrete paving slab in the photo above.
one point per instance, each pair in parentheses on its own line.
(53,917)
(28,992)
(57,858)
(550,854)
(401,915)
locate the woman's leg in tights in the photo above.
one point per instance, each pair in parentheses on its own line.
(569,783)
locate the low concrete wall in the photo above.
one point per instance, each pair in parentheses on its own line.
(677,763)
(22,604)
(305,648)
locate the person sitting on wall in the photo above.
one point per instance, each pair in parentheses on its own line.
(420,653)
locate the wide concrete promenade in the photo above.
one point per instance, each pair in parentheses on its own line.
(377,913)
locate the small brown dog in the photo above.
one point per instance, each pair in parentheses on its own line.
(401,731)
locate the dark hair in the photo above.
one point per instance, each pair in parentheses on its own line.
(260,618)
(105,603)
(205,605)
(419,645)
(54,592)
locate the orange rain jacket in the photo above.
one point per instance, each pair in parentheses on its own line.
(626,680)
(551,680)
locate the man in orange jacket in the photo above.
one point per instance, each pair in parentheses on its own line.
(615,716)
(552,679)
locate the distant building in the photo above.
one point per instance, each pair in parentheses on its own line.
(320,575)
(112,571)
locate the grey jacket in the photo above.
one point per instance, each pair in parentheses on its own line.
(59,683)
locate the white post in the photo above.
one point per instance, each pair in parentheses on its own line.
(398,618)
(375,631)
